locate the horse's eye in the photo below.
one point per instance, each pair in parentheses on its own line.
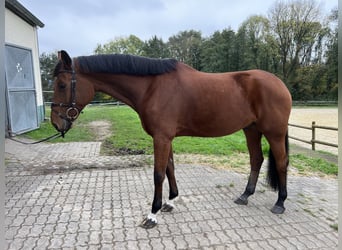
(61,86)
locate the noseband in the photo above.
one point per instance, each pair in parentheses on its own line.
(72,112)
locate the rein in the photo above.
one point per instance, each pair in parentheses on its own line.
(55,136)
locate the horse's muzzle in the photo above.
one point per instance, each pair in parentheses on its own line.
(64,127)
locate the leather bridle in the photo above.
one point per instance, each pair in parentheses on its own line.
(72,111)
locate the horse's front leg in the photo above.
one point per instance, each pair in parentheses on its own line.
(162,146)
(170,173)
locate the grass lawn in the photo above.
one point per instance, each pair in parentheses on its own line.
(127,133)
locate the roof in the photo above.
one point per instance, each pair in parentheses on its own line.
(18,9)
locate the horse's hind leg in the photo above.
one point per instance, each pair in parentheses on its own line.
(277,169)
(170,173)
(253,137)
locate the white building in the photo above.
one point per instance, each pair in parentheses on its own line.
(24,98)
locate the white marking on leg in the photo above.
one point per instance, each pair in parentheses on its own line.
(152,217)
(171,203)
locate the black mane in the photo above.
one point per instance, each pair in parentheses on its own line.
(57,69)
(125,64)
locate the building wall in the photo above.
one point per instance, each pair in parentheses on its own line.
(20,33)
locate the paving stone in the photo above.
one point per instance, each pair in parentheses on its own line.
(74,198)
(69,241)
(56,242)
(43,242)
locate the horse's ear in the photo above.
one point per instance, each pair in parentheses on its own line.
(65,58)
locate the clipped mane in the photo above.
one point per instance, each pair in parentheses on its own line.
(125,64)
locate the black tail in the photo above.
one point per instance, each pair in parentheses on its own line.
(272,174)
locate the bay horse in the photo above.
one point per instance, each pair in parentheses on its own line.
(172,99)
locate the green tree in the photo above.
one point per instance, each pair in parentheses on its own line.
(210,49)
(155,48)
(310,83)
(241,50)
(218,52)
(185,47)
(254,41)
(47,63)
(121,45)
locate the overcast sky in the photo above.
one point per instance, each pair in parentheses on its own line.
(79,25)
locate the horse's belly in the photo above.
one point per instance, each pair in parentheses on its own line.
(215,126)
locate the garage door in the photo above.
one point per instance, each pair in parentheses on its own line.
(21,92)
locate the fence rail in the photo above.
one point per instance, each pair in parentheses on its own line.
(313,140)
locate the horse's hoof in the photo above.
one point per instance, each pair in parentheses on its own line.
(148,223)
(167,208)
(277,209)
(241,201)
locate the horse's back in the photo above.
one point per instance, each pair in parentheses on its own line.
(226,102)
(257,87)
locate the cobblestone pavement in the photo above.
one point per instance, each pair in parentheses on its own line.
(67,196)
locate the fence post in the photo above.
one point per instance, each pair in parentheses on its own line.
(313,137)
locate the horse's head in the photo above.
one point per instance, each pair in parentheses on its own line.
(68,97)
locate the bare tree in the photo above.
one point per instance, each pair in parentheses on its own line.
(299,33)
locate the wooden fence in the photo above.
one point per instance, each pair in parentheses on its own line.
(313,140)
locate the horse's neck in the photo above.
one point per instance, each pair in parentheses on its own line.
(126,88)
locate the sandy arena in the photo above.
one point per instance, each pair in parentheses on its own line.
(322,116)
